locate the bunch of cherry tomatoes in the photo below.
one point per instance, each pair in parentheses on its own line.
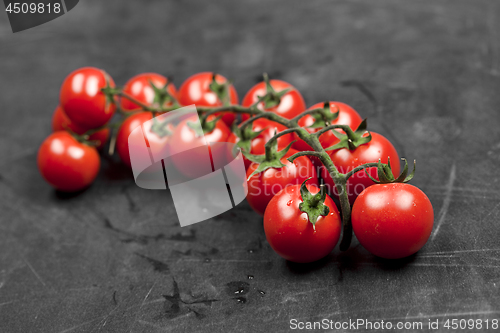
(391,219)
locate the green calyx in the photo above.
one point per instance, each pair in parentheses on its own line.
(272,98)
(385,175)
(313,204)
(351,139)
(162,96)
(271,159)
(110,92)
(84,138)
(245,136)
(160,128)
(204,126)
(325,117)
(221,90)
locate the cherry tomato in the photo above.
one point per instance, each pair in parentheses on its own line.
(82,99)
(140,88)
(258,143)
(347,116)
(67,164)
(346,160)
(185,140)
(61,122)
(153,140)
(196,90)
(392,220)
(292,103)
(264,185)
(289,231)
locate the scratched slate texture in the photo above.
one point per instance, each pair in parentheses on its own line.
(114,259)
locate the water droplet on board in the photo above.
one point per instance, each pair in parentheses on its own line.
(241,300)
(262,292)
(250,277)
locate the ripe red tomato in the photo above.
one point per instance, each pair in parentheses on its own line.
(289,231)
(264,185)
(291,104)
(185,145)
(153,140)
(82,99)
(258,144)
(346,160)
(61,122)
(140,88)
(392,220)
(67,164)
(347,116)
(196,90)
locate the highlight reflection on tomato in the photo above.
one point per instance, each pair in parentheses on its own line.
(82,99)
(67,164)
(291,234)
(392,220)
(139,87)
(291,104)
(196,90)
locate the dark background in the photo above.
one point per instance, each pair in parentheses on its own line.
(114,259)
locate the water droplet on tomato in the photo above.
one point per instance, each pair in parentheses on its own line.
(289,202)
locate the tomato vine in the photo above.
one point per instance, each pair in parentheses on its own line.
(350,140)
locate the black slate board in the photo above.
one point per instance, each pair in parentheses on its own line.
(114,259)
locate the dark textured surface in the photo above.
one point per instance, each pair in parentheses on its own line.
(113,259)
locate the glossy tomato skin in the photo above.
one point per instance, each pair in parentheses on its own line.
(263,186)
(347,116)
(185,139)
(61,122)
(82,99)
(140,88)
(258,144)
(67,164)
(290,233)
(392,220)
(291,105)
(196,90)
(131,123)
(346,160)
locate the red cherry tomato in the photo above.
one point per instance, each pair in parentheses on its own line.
(187,158)
(392,220)
(347,116)
(61,122)
(82,99)
(289,231)
(292,103)
(264,185)
(258,144)
(153,140)
(67,164)
(140,88)
(346,160)
(196,90)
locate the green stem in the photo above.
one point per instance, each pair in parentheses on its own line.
(359,168)
(269,144)
(305,113)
